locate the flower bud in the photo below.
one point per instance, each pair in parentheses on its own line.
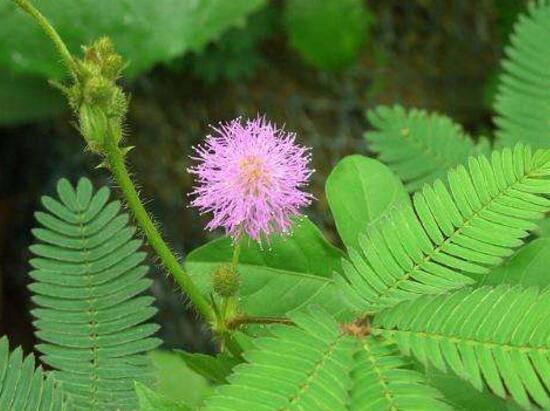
(94,126)
(225,281)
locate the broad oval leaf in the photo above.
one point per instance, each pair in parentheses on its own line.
(295,271)
(359,191)
(145,32)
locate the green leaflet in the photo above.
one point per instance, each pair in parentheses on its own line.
(144,32)
(150,400)
(91,315)
(290,273)
(359,191)
(383,380)
(528,267)
(304,367)
(492,336)
(419,146)
(213,368)
(328,33)
(522,104)
(463,396)
(24,387)
(452,236)
(176,381)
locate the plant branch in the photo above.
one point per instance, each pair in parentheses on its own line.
(115,160)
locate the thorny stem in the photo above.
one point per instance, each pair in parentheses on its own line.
(26,6)
(115,160)
(114,156)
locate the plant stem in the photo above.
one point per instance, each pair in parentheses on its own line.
(236,255)
(115,159)
(239,321)
(62,49)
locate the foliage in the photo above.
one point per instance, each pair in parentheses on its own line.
(419,146)
(522,104)
(327,34)
(145,32)
(453,235)
(303,367)
(354,198)
(528,267)
(24,387)
(292,273)
(90,317)
(236,55)
(383,379)
(170,370)
(309,327)
(490,336)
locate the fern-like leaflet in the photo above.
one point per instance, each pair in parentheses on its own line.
(305,367)
(494,336)
(383,380)
(24,387)
(522,103)
(88,277)
(452,234)
(419,146)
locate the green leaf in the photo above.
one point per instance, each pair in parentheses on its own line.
(359,191)
(150,400)
(303,367)
(463,396)
(495,337)
(328,33)
(453,235)
(295,271)
(27,98)
(24,387)
(383,380)
(214,368)
(528,267)
(144,32)
(171,369)
(91,316)
(522,104)
(418,146)
(543,229)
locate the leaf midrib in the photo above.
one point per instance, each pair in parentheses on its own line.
(457,339)
(438,249)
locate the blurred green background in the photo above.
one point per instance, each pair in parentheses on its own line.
(313,65)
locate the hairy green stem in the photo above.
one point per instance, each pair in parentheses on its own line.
(26,6)
(115,159)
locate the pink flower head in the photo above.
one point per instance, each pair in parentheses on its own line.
(250,177)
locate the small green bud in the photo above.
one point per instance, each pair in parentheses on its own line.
(94,126)
(226,281)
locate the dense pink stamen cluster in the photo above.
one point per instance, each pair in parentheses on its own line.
(250,177)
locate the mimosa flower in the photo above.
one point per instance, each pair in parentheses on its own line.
(251,178)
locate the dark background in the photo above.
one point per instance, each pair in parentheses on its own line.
(437,55)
